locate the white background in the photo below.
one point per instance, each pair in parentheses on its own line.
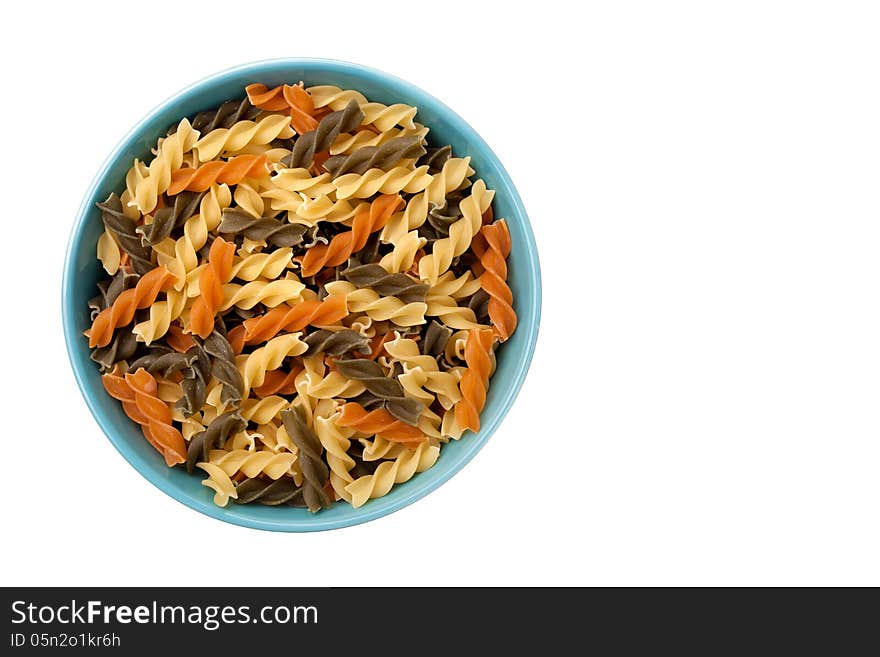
(703,184)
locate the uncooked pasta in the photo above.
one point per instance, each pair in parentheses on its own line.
(304,296)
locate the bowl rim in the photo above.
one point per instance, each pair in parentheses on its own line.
(375,508)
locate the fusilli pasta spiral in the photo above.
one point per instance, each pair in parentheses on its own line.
(392,472)
(475,379)
(384,117)
(377,181)
(229,141)
(159,173)
(461,233)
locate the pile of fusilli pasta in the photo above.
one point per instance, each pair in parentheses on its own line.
(303,298)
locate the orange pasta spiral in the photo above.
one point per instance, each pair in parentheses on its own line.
(137,392)
(178,340)
(366,221)
(377,344)
(235,337)
(211,280)
(475,380)
(230,172)
(279,382)
(122,311)
(286,97)
(493,249)
(317,313)
(379,422)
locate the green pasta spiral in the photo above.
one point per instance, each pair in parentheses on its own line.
(374,276)
(369,401)
(216,433)
(270,493)
(124,231)
(162,361)
(370,252)
(314,471)
(435,339)
(322,137)
(335,343)
(122,347)
(479,303)
(225,116)
(194,365)
(361,467)
(267,229)
(375,157)
(441,217)
(371,374)
(169,219)
(223,367)
(435,158)
(195,380)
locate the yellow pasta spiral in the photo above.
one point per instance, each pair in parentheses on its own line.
(252,464)
(168,158)
(260,411)
(325,95)
(162,313)
(450,313)
(269,357)
(362,323)
(262,265)
(229,141)
(347,143)
(457,288)
(135,174)
(412,381)
(312,382)
(109,253)
(168,391)
(300,180)
(274,437)
(335,440)
(454,172)
(247,267)
(449,426)
(379,308)
(248,198)
(242,440)
(273,154)
(377,181)
(190,426)
(392,472)
(461,233)
(385,117)
(382,116)
(307,199)
(270,293)
(403,254)
(307,211)
(379,448)
(429,424)
(219,482)
(426,372)
(455,346)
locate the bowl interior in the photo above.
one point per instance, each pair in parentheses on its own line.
(82,271)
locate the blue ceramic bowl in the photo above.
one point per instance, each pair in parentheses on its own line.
(82,272)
